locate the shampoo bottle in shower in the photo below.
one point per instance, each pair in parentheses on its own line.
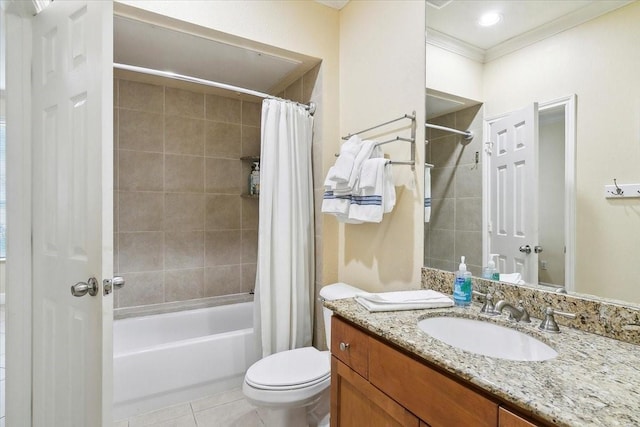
(462,286)
(254,179)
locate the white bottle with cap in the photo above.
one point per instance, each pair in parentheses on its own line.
(462,287)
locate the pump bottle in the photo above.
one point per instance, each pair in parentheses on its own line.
(462,287)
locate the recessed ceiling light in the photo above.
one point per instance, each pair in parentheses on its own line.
(489,19)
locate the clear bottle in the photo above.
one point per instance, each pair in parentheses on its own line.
(462,287)
(490,272)
(250,188)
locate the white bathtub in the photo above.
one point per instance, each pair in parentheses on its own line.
(170,358)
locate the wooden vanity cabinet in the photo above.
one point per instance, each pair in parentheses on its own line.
(373,384)
(507,418)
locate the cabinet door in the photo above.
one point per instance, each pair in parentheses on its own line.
(350,345)
(509,419)
(432,396)
(356,403)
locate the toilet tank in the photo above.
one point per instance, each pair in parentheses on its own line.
(333,292)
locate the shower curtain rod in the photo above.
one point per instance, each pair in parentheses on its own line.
(467,134)
(311,107)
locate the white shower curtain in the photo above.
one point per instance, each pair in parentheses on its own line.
(285,269)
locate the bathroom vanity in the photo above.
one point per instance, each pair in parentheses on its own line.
(386,371)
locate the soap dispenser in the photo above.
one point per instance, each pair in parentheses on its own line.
(491,272)
(462,287)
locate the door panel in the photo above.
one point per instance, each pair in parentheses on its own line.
(72,104)
(514,192)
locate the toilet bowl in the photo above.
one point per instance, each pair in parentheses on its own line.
(291,388)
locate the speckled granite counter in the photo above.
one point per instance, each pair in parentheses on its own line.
(594,381)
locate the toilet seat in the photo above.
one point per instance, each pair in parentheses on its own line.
(290,370)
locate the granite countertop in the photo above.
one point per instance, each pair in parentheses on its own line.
(594,381)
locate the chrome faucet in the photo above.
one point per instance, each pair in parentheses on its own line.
(519,313)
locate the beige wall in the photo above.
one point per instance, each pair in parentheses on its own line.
(596,61)
(381,78)
(451,73)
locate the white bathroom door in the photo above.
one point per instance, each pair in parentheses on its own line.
(72,207)
(514,193)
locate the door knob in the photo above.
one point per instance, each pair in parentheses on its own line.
(537,249)
(525,249)
(82,288)
(109,284)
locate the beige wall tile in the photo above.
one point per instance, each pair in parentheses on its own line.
(250,213)
(443,214)
(440,242)
(223,176)
(140,211)
(116,100)
(183,135)
(141,96)
(140,171)
(141,289)
(250,141)
(180,102)
(468,182)
(141,251)
(249,246)
(221,109)
(469,214)
(251,113)
(183,249)
(140,130)
(223,212)
(222,280)
(248,277)
(183,212)
(222,247)
(223,140)
(181,285)
(183,173)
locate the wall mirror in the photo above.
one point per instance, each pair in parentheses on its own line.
(566,64)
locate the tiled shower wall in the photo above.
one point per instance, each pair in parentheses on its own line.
(455,228)
(182,231)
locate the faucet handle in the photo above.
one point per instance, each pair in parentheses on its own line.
(525,314)
(549,323)
(487,307)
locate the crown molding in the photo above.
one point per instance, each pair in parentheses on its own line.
(578,17)
(566,22)
(452,44)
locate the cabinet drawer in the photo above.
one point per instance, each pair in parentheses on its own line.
(432,396)
(350,346)
(509,419)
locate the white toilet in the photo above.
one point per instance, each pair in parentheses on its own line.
(291,388)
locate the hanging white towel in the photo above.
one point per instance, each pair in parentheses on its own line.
(341,171)
(368,150)
(369,204)
(403,300)
(427,193)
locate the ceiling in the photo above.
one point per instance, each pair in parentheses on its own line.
(336,4)
(258,68)
(454,23)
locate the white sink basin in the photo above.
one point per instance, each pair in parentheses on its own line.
(486,338)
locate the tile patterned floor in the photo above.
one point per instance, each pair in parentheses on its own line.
(227,409)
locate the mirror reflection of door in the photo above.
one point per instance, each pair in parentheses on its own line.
(513,194)
(550,206)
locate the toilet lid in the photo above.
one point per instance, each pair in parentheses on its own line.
(290,369)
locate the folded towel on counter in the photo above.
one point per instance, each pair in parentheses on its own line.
(376,194)
(403,300)
(515,278)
